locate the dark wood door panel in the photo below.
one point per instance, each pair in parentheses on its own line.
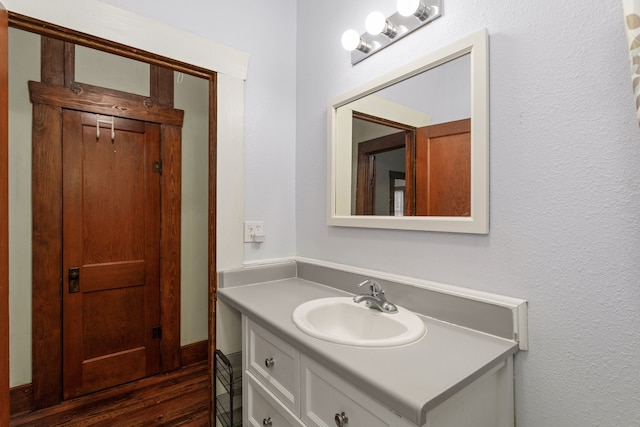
(125,327)
(111,192)
(102,373)
(111,235)
(113,275)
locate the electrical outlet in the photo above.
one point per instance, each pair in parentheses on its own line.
(253,231)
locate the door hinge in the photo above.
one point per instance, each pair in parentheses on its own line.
(156,167)
(156,333)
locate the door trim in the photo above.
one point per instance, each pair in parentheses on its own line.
(366,170)
(109,102)
(48,237)
(121,28)
(171,231)
(4,220)
(233,88)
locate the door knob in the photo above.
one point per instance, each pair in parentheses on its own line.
(267,422)
(74,280)
(341,419)
(269,362)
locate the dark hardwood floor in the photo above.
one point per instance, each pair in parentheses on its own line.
(180,398)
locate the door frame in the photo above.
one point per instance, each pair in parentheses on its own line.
(4,219)
(365,163)
(74,37)
(49,100)
(366,168)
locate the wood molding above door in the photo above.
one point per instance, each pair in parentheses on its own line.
(85,97)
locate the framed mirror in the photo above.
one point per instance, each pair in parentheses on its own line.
(410,150)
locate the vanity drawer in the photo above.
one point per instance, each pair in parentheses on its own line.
(263,409)
(326,400)
(275,363)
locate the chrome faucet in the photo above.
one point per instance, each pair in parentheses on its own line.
(375,298)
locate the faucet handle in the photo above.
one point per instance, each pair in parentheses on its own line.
(374,287)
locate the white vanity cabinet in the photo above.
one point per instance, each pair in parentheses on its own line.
(263,408)
(327,400)
(274,362)
(284,387)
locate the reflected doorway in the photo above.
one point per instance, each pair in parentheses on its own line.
(384,156)
(411,171)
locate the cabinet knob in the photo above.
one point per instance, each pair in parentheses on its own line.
(341,419)
(267,422)
(269,362)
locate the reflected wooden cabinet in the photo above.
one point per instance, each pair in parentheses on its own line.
(443,169)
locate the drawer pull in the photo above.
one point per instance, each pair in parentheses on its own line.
(341,419)
(267,422)
(269,362)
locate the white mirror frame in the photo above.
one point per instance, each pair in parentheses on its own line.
(339,155)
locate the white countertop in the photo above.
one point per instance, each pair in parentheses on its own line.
(411,380)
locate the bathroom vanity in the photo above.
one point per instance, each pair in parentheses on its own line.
(451,376)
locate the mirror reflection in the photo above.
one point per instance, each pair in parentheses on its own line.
(411,145)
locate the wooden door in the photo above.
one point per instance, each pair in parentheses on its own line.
(443,169)
(111,236)
(4,221)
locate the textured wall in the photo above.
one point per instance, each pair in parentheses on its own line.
(267,32)
(565,190)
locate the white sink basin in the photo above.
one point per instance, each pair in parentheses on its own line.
(342,321)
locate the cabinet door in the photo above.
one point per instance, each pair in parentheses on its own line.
(275,363)
(262,408)
(326,400)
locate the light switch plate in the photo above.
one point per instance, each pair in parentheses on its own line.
(251,228)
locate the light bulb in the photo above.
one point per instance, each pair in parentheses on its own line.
(375,23)
(417,8)
(407,7)
(350,40)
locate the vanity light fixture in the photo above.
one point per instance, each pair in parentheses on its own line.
(352,41)
(381,31)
